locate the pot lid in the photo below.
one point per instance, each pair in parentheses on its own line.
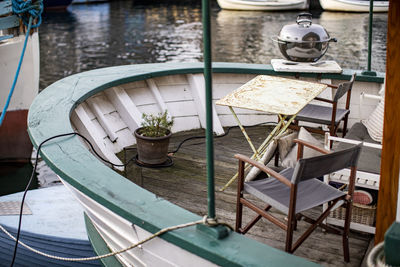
(303,31)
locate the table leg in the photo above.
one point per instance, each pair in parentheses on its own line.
(279,129)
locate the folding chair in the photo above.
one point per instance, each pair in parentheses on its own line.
(328,115)
(295,190)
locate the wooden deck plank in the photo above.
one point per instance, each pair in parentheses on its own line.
(184,184)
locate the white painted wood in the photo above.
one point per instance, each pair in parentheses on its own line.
(322,66)
(355,142)
(82,122)
(101,118)
(27,86)
(353,5)
(156,93)
(263,5)
(120,233)
(125,107)
(197,86)
(353,225)
(363,179)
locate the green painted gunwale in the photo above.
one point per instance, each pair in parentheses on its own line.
(49,115)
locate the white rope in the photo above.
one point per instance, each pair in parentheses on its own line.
(205,220)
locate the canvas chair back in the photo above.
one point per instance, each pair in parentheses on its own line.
(344,88)
(321,165)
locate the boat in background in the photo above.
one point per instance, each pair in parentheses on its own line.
(264,5)
(16,148)
(354,5)
(88,1)
(53,222)
(56,4)
(110,102)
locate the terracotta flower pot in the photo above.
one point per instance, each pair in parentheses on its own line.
(152,150)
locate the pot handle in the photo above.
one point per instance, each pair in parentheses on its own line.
(333,40)
(305,19)
(276,40)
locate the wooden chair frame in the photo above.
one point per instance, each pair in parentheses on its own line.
(333,127)
(291,223)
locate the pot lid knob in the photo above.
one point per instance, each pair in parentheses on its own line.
(304,20)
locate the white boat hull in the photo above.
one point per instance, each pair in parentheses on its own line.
(119,233)
(27,86)
(14,141)
(353,5)
(266,5)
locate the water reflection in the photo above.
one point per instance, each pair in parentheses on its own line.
(118,33)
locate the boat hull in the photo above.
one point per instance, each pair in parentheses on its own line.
(110,101)
(16,148)
(263,5)
(353,5)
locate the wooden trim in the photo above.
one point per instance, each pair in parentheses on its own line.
(9,22)
(96,109)
(324,100)
(125,107)
(197,86)
(263,213)
(264,168)
(389,183)
(83,123)
(330,85)
(305,143)
(5,7)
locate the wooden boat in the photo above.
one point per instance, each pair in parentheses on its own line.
(107,104)
(16,148)
(354,5)
(263,5)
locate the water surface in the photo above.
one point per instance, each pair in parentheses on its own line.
(92,36)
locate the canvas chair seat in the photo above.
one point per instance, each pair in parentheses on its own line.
(321,114)
(310,193)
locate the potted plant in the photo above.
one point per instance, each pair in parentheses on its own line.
(152,138)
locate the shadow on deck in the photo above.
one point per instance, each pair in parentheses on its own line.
(184,184)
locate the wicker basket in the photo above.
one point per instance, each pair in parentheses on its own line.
(363,214)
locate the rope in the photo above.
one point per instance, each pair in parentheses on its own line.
(204,220)
(27,11)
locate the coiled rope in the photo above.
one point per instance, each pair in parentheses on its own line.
(205,220)
(27,11)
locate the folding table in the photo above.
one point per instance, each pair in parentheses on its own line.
(281,96)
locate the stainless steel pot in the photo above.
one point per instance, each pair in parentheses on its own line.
(303,41)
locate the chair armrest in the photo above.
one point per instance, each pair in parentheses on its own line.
(264,168)
(307,144)
(324,100)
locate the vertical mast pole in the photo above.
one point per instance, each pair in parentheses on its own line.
(370,26)
(209,123)
(371,15)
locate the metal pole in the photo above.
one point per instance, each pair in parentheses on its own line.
(371,15)
(209,120)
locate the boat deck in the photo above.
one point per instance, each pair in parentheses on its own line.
(184,184)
